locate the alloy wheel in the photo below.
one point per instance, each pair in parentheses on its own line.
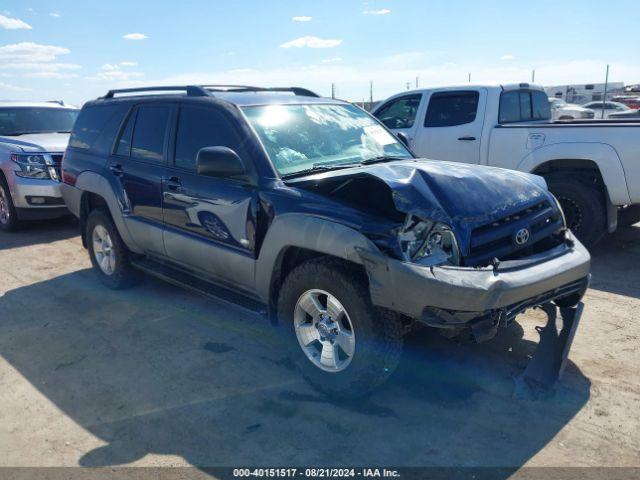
(324,330)
(103,251)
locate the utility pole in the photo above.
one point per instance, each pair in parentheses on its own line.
(469,77)
(408,85)
(417,82)
(533,76)
(333,91)
(606,84)
(370,94)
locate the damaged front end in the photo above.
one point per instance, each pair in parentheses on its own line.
(466,249)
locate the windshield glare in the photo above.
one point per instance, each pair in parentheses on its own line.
(24,120)
(300,137)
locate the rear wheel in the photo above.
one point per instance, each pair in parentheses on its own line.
(8,217)
(108,253)
(583,207)
(342,344)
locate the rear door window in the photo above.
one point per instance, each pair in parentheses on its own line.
(149,133)
(124,143)
(400,112)
(447,109)
(524,106)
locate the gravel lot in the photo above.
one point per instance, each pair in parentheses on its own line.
(158,376)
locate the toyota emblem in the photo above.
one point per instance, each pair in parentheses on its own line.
(522,236)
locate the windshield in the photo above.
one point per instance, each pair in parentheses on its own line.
(302,137)
(24,120)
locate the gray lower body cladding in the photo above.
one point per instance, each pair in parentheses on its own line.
(450,296)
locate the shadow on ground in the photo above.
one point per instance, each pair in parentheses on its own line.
(618,253)
(37,233)
(156,370)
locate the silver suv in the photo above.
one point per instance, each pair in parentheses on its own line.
(33,138)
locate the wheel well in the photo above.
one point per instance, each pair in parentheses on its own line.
(587,171)
(89,202)
(288,259)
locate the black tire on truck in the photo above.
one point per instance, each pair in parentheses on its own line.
(341,343)
(108,253)
(8,218)
(583,204)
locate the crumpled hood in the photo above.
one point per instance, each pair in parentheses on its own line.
(39,142)
(456,193)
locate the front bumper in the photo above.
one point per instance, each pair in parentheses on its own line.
(464,294)
(23,190)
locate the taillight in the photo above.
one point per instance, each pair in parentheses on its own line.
(67,177)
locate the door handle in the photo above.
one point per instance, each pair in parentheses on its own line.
(174,184)
(467,139)
(117,170)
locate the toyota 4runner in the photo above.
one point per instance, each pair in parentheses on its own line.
(310,211)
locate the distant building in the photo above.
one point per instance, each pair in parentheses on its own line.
(583,93)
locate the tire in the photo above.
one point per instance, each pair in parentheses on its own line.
(629,216)
(583,206)
(8,217)
(117,273)
(376,333)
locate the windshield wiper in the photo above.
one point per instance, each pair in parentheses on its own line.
(319,167)
(382,159)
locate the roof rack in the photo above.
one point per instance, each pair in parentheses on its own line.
(303,92)
(191,90)
(206,90)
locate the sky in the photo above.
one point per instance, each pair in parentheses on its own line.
(75,50)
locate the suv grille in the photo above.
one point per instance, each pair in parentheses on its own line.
(500,239)
(57,165)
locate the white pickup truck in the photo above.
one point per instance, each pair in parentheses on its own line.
(592,166)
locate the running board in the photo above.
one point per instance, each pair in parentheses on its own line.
(180,278)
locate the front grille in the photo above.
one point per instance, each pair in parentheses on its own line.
(57,165)
(498,238)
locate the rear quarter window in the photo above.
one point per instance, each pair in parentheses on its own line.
(96,128)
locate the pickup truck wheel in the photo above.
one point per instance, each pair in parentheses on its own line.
(108,253)
(583,207)
(8,218)
(343,345)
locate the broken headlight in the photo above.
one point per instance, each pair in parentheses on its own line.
(427,242)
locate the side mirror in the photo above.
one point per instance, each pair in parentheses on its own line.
(220,162)
(403,138)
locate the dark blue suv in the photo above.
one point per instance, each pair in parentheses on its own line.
(310,211)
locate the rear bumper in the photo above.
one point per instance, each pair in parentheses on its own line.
(464,294)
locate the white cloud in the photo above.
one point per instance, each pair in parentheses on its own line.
(13,24)
(54,14)
(128,64)
(134,36)
(51,74)
(113,73)
(13,88)
(507,57)
(381,11)
(302,18)
(31,52)
(44,66)
(311,42)
(332,60)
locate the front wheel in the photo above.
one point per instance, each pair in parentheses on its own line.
(8,218)
(109,255)
(583,206)
(343,345)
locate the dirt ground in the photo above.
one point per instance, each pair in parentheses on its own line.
(157,376)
